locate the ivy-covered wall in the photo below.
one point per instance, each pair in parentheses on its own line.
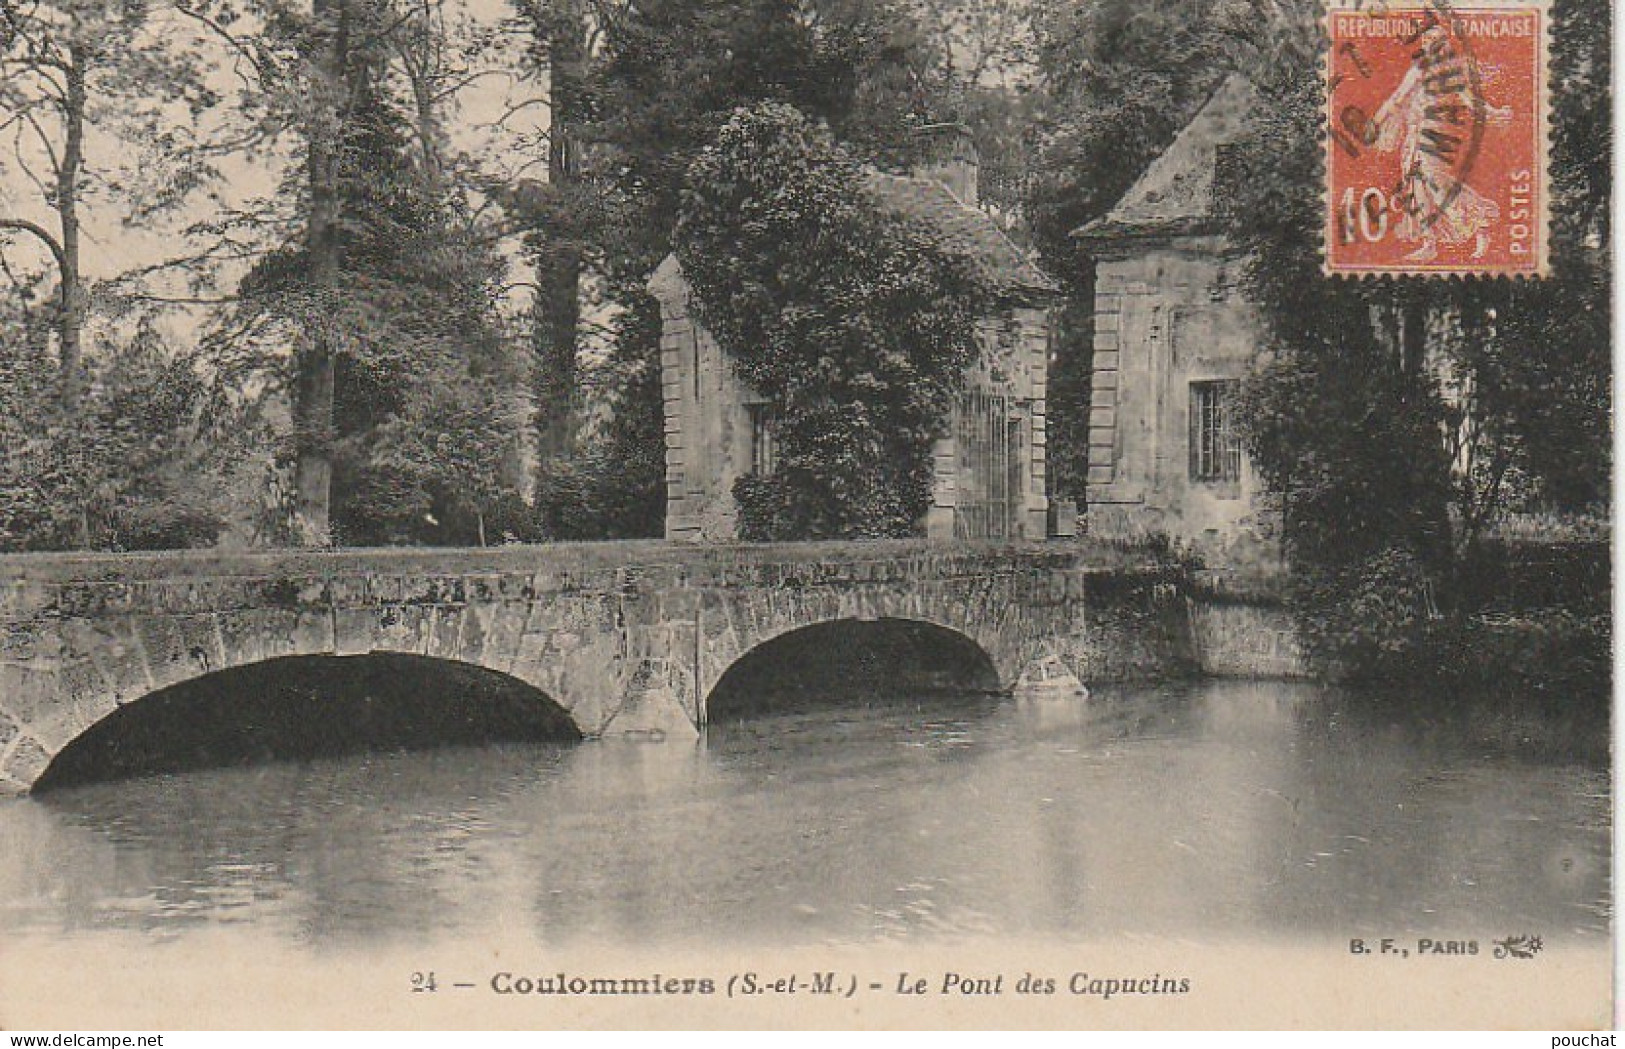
(847,354)
(709,438)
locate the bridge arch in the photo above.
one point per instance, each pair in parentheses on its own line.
(308,706)
(981,611)
(101,649)
(846,658)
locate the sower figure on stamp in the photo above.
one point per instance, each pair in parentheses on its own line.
(1438,203)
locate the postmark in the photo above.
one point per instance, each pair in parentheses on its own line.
(1436,138)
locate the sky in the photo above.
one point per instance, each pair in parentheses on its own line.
(114,245)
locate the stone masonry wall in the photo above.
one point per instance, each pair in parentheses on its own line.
(1246,641)
(1168,315)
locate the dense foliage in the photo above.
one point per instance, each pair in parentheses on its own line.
(614,487)
(71,73)
(137,465)
(1119,78)
(853,323)
(1344,422)
(428,398)
(1397,422)
(631,114)
(371,268)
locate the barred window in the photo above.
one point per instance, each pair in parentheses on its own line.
(763,448)
(1215,444)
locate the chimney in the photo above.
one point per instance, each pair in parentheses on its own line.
(948,156)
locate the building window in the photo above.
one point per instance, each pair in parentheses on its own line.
(764,453)
(1215,444)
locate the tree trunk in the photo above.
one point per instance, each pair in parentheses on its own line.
(557,314)
(71,317)
(313,441)
(1413,337)
(420,78)
(559,263)
(314,378)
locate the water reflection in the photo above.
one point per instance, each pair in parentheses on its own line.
(1218,809)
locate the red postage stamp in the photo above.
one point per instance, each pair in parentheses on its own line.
(1436,138)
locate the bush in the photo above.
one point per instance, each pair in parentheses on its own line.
(1367,620)
(1546,657)
(599,496)
(136,465)
(1377,622)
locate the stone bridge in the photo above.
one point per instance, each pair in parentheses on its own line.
(628,638)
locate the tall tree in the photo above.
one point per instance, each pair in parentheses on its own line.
(673,72)
(1117,80)
(1529,362)
(559,31)
(338,66)
(435,48)
(384,290)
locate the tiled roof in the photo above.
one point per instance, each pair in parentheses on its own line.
(1176,192)
(964,230)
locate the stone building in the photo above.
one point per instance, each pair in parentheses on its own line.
(988,472)
(1173,336)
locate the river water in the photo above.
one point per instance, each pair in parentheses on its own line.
(1208,810)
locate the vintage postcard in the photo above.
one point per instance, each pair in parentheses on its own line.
(550,514)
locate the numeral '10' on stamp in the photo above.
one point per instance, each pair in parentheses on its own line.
(1436,138)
